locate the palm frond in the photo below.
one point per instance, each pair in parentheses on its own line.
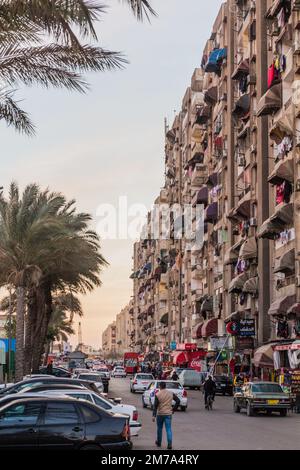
(141,9)
(15,116)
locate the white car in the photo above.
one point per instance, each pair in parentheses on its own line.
(104,403)
(102,370)
(79,371)
(118,372)
(92,377)
(171,385)
(140,382)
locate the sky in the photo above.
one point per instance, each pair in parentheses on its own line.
(109,142)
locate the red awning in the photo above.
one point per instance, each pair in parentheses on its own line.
(197,330)
(180,357)
(209,328)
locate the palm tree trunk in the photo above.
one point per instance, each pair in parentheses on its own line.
(47,351)
(44,303)
(29,330)
(20,319)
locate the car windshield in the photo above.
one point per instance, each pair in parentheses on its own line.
(144,377)
(172,385)
(266,388)
(91,377)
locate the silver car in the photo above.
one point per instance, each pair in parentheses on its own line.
(140,382)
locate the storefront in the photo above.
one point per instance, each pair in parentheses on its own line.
(187,355)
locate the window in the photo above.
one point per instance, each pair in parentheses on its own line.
(144,377)
(266,388)
(20,414)
(89,415)
(61,413)
(80,396)
(102,403)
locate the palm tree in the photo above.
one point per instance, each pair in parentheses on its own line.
(45,247)
(26,59)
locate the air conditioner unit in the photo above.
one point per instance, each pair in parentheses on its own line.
(297,46)
(253,148)
(253,222)
(241,160)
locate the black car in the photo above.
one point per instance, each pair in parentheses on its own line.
(224,384)
(56,371)
(29,383)
(45,423)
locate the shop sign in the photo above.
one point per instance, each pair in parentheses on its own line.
(219,343)
(187,347)
(247,327)
(242,343)
(295,381)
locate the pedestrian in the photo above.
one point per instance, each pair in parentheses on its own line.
(162,412)
(175,376)
(209,389)
(50,368)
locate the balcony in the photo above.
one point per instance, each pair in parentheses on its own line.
(271,101)
(199,175)
(197,101)
(197,133)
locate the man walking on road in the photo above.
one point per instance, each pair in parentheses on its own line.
(163,411)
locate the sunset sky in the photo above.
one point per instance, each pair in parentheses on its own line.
(110,142)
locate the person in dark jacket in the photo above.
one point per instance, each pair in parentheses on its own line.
(209,389)
(175,376)
(162,412)
(50,368)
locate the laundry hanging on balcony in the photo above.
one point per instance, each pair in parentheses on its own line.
(211,213)
(214,62)
(284,147)
(202,195)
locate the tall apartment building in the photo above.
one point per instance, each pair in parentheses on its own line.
(233,149)
(109,340)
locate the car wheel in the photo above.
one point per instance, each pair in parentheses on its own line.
(183,408)
(236,407)
(283,412)
(250,411)
(223,393)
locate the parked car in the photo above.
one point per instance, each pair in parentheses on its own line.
(105,403)
(148,396)
(48,423)
(118,372)
(54,387)
(56,371)
(191,378)
(92,377)
(262,396)
(140,382)
(29,383)
(224,384)
(78,371)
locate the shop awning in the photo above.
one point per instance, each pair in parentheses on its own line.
(207,305)
(164,319)
(237,283)
(294,309)
(241,70)
(211,213)
(271,101)
(209,328)
(263,356)
(232,254)
(212,179)
(281,305)
(286,263)
(242,210)
(283,171)
(211,95)
(251,286)
(248,249)
(180,357)
(202,195)
(282,127)
(197,330)
(242,106)
(203,115)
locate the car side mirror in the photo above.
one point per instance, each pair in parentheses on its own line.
(118,400)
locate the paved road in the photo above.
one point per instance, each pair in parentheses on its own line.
(220,429)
